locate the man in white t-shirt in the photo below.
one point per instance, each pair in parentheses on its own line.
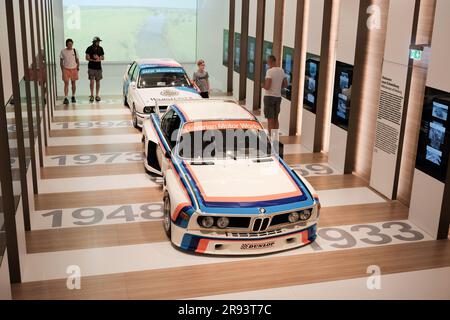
(70,65)
(275,81)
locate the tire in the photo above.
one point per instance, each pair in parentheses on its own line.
(167,222)
(135,120)
(125,101)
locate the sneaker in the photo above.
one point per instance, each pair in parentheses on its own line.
(74,100)
(97,98)
(66,101)
(91,99)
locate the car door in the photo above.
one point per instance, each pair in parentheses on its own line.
(170,124)
(127,77)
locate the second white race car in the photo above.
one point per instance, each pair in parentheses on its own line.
(152,83)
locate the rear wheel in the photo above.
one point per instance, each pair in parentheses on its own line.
(167,222)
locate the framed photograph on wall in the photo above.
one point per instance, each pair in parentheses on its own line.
(251,58)
(434,138)
(288,67)
(237,52)
(311,82)
(342,95)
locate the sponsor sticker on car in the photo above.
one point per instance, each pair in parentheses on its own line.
(257,246)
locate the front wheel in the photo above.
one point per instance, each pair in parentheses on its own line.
(125,101)
(135,120)
(167,222)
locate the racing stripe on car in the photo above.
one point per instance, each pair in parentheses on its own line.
(202,245)
(162,144)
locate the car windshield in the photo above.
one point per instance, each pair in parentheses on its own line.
(224,141)
(163,77)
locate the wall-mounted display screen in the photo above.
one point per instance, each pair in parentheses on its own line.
(237,52)
(433,150)
(226,38)
(251,58)
(288,66)
(311,82)
(267,51)
(130,29)
(342,95)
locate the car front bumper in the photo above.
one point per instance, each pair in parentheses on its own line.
(284,240)
(141,117)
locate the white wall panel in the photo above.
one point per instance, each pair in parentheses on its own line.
(399,29)
(315,24)
(347,31)
(5,285)
(252,18)
(4,53)
(426,202)
(212,20)
(270,20)
(238,16)
(290,14)
(439,69)
(18,36)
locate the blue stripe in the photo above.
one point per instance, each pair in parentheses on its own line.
(188,89)
(180,222)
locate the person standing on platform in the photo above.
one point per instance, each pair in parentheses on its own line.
(201,79)
(95,55)
(70,65)
(274,82)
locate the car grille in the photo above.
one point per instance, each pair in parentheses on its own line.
(254,235)
(260,224)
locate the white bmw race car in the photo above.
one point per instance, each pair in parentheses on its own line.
(226,191)
(155,81)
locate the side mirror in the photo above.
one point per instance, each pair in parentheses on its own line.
(133,85)
(168,155)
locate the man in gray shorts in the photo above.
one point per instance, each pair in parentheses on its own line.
(274,83)
(95,55)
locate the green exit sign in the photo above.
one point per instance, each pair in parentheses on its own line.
(416,54)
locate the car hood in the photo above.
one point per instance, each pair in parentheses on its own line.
(246,183)
(149,96)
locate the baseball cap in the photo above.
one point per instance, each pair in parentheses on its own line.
(96,39)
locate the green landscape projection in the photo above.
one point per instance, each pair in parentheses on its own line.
(130,33)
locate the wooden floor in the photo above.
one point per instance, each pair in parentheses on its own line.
(248,275)
(216,276)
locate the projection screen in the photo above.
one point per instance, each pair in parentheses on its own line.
(134,29)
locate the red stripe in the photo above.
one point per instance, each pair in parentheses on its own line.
(202,246)
(178,210)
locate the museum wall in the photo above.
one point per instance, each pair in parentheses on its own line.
(212,20)
(419,75)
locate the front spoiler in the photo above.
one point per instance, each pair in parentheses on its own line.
(246,246)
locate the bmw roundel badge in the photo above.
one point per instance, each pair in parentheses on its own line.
(262,210)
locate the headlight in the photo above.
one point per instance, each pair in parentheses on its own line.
(207,222)
(305,215)
(148,110)
(294,217)
(223,223)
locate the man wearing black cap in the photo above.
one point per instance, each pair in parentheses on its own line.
(95,55)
